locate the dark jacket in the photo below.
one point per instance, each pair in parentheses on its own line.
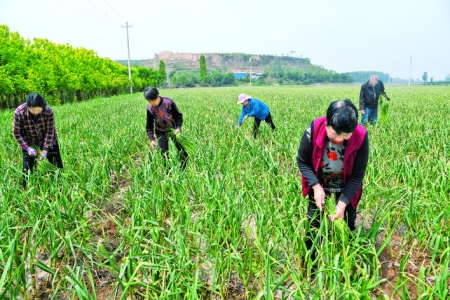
(367,98)
(163,117)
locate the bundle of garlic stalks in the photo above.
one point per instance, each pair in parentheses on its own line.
(184,140)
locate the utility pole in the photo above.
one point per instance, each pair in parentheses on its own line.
(410,66)
(250,71)
(129,66)
(168,77)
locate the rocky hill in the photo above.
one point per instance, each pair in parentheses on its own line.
(230,62)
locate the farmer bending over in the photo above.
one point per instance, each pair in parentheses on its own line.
(252,107)
(34,127)
(333,154)
(162,117)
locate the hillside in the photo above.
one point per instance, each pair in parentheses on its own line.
(230,62)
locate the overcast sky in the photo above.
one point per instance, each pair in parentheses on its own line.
(345,35)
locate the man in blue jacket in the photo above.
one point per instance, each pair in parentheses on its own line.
(252,107)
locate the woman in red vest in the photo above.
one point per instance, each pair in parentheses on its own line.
(333,156)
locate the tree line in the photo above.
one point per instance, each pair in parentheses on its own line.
(60,72)
(201,77)
(288,76)
(65,74)
(275,73)
(363,76)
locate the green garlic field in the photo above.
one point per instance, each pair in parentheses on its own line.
(116,224)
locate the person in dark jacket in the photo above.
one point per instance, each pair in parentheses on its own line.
(162,116)
(368,99)
(333,155)
(34,128)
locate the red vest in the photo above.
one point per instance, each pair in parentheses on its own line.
(351,149)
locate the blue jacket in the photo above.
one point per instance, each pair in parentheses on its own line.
(256,108)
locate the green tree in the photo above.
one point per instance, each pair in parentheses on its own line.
(149,77)
(228,78)
(203,71)
(58,71)
(162,76)
(217,78)
(425,76)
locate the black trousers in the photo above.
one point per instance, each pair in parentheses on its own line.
(258,123)
(28,162)
(163,144)
(315,216)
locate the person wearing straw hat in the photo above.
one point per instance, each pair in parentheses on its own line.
(252,107)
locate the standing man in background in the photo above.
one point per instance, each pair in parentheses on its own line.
(368,99)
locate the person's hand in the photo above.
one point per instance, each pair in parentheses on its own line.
(32,151)
(177,131)
(44,155)
(340,211)
(362,111)
(153,143)
(246,117)
(319,196)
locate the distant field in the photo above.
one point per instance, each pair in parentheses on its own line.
(115,224)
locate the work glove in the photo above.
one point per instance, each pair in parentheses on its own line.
(32,151)
(44,155)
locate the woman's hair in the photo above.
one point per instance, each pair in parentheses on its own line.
(151,93)
(36,100)
(342,116)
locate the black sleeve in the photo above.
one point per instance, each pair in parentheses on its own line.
(362,99)
(304,156)
(359,170)
(177,116)
(382,92)
(150,126)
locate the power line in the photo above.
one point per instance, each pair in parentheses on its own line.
(115,10)
(140,39)
(104,13)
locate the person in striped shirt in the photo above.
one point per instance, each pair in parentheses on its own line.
(34,128)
